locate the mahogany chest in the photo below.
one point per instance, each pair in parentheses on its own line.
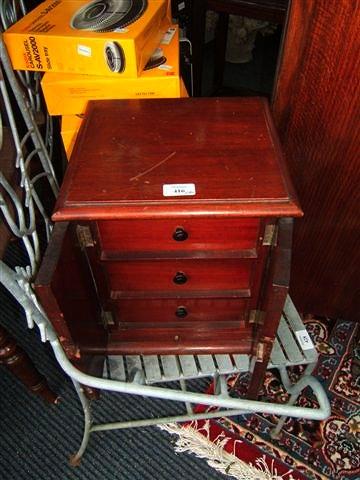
(182,209)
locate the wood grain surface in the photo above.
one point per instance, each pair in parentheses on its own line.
(316,110)
(162,310)
(148,237)
(65,288)
(127,151)
(130,277)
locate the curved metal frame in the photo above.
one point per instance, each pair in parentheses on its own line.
(236,406)
(10,12)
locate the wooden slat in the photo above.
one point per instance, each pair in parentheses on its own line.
(152,368)
(224,363)
(296,325)
(292,315)
(241,362)
(117,367)
(207,364)
(277,355)
(188,365)
(286,338)
(133,362)
(170,366)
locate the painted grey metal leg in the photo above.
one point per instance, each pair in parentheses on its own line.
(85,403)
(275,432)
(187,404)
(309,368)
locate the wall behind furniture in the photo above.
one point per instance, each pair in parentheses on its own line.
(316,109)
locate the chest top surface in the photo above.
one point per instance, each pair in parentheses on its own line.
(224,150)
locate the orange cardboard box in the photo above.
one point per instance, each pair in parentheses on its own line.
(68,94)
(70,125)
(99,37)
(183,90)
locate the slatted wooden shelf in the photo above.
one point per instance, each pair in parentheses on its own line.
(287,351)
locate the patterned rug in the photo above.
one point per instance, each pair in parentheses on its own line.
(312,450)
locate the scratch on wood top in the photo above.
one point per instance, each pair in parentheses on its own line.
(153,167)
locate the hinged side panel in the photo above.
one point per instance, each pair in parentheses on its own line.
(67,293)
(272,299)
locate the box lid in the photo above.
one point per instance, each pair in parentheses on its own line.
(176,157)
(86,19)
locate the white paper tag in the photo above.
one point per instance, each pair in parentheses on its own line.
(165,67)
(304,339)
(179,189)
(181,6)
(84,51)
(168,36)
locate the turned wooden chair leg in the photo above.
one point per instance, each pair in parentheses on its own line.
(18,362)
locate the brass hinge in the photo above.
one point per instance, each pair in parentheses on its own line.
(256,317)
(270,235)
(84,236)
(107,318)
(260,352)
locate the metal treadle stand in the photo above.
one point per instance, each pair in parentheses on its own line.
(138,375)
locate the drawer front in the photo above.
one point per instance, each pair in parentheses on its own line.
(197,235)
(176,277)
(187,338)
(182,310)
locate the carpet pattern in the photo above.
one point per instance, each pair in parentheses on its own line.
(320,450)
(36,439)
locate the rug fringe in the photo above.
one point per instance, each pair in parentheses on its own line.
(191,441)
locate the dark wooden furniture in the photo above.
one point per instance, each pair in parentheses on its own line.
(270,10)
(18,362)
(198,273)
(316,110)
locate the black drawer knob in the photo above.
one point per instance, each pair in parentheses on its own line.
(180,234)
(180,278)
(181,312)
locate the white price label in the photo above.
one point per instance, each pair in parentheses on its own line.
(84,51)
(304,339)
(179,189)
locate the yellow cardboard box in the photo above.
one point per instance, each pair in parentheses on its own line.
(99,37)
(67,94)
(70,125)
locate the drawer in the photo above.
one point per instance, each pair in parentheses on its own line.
(182,310)
(197,236)
(178,277)
(187,338)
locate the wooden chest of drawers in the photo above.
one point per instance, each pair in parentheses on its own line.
(182,210)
